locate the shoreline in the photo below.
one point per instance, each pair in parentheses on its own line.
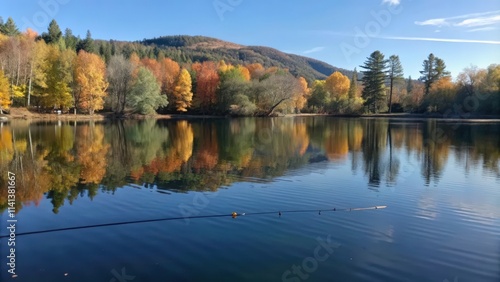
(23,114)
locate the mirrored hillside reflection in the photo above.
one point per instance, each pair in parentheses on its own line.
(66,160)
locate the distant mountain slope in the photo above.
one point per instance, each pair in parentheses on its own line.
(201,48)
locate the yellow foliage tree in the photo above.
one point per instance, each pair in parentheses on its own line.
(53,75)
(303,93)
(90,76)
(442,94)
(182,93)
(4,93)
(244,72)
(337,85)
(223,67)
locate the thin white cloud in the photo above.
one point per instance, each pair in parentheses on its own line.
(314,50)
(468,20)
(450,40)
(391,2)
(483,21)
(488,28)
(434,22)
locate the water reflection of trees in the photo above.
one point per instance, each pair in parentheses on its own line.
(63,161)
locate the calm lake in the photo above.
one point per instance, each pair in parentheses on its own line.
(439,180)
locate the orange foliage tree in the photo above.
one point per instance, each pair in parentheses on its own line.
(207,81)
(256,70)
(154,67)
(170,71)
(90,76)
(244,72)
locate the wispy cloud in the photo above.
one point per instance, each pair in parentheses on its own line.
(314,50)
(468,20)
(451,40)
(481,29)
(391,2)
(482,21)
(434,22)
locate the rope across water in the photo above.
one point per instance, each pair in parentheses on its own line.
(233,215)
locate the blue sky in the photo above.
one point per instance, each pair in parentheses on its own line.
(342,33)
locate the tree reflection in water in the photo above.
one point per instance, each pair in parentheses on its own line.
(65,160)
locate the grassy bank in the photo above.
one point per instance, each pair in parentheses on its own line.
(23,113)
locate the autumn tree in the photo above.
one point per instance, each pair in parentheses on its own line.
(223,67)
(353,87)
(244,72)
(30,55)
(441,95)
(319,96)
(493,78)
(256,70)
(300,98)
(4,93)
(90,77)
(492,86)
(207,81)
(182,92)
(471,79)
(16,60)
(135,61)
(170,71)
(145,95)
(153,66)
(53,76)
(337,85)
(119,73)
(374,82)
(395,74)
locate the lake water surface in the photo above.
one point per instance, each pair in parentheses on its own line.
(439,180)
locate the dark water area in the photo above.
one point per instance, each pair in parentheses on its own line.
(439,180)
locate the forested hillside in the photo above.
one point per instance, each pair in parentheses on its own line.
(189,49)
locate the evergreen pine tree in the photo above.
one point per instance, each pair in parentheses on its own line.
(353,88)
(434,69)
(409,86)
(9,28)
(53,34)
(87,44)
(395,74)
(374,82)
